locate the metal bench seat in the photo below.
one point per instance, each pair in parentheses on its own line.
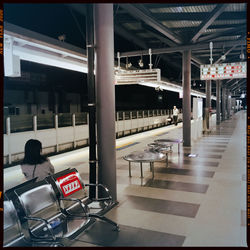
(41,217)
(12,229)
(71,193)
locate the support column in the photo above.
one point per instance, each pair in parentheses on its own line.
(208,102)
(91,98)
(186,100)
(223,106)
(218,100)
(105,96)
(228,104)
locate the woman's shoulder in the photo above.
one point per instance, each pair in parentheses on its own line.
(46,161)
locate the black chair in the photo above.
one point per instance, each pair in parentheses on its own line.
(71,193)
(41,218)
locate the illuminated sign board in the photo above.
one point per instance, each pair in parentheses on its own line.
(223,71)
(137,76)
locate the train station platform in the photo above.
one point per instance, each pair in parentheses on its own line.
(195,201)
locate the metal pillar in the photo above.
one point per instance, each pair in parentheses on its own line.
(223,106)
(228,104)
(186,100)
(208,102)
(218,101)
(91,98)
(105,93)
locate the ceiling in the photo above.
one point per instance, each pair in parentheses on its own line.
(167,29)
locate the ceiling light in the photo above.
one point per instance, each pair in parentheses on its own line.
(223,57)
(62,37)
(141,64)
(242,56)
(128,64)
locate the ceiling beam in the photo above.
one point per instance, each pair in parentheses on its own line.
(226,32)
(185,47)
(151,21)
(195,61)
(208,21)
(160,37)
(230,86)
(226,53)
(239,85)
(230,80)
(180,16)
(125,34)
(231,49)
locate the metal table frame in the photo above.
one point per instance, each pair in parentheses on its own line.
(151,162)
(179,141)
(161,148)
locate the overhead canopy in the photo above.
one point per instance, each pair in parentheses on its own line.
(34,47)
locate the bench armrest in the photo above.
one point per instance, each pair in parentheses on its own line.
(82,205)
(109,197)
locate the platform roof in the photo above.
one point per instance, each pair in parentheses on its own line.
(166,28)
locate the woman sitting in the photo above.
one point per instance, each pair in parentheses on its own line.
(34,164)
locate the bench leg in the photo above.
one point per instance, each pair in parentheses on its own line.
(141,170)
(129,168)
(178,148)
(105,219)
(167,159)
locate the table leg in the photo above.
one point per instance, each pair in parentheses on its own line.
(153,170)
(167,159)
(141,170)
(129,164)
(178,148)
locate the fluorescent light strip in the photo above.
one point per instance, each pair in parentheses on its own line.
(48,59)
(171,87)
(23,42)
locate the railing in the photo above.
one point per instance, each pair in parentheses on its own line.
(21,123)
(62,132)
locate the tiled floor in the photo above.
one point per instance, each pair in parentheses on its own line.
(198,201)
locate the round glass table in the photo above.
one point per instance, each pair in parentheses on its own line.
(144,157)
(164,148)
(178,141)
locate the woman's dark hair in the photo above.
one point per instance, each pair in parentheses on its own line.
(32,152)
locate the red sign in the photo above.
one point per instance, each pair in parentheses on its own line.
(69,184)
